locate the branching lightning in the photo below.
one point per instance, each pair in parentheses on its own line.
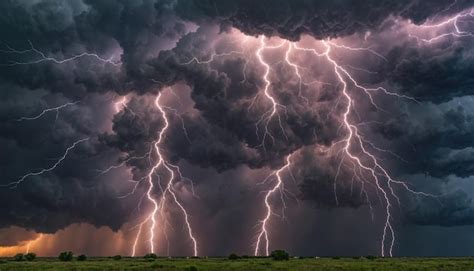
(270,114)
(450,28)
(159,205)
(15,183)
(354,145)
(365,160)
(355,151)
(42,57)
(47,110)
(211,59)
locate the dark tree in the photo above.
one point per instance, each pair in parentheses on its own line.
(65,256)
(19,257)
(30,256)
(82,257)
(150,256)
(233,256)
(117,257)
(280,255)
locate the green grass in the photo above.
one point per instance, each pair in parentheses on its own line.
(164,264)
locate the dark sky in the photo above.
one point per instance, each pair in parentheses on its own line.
(96,67)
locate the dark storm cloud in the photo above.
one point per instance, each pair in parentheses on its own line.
(125,32)
(225,92)
(454,209)
(433,139)
(316,172)
(320,19)
(150,41)
(72,192)
(432,73)
(54,28)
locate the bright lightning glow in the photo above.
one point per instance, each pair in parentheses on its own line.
(120,104)
(32,242)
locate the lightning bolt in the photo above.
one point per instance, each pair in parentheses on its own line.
(159,206)
(273,112)
(365,160)
(47,110)
(451,22)
(121,104)
(211,58)
(270,114)
(262,236)
(354,147)
(32,242)
(42,57)
(14,184)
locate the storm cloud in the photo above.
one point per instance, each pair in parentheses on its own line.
(201,55)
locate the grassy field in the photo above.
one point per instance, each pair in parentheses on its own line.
(458,264)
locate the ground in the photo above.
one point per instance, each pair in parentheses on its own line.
(165,264)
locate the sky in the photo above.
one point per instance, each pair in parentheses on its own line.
(214,127)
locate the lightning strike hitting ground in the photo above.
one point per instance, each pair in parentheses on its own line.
(365,160)
(159,206)
(263,232)
(32,242)
(355,152)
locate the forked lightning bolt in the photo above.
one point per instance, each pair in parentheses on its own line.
(265,120)
(44,58)
(366,161)
(452,22)
(159,205)
(270,114)
(356,151)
